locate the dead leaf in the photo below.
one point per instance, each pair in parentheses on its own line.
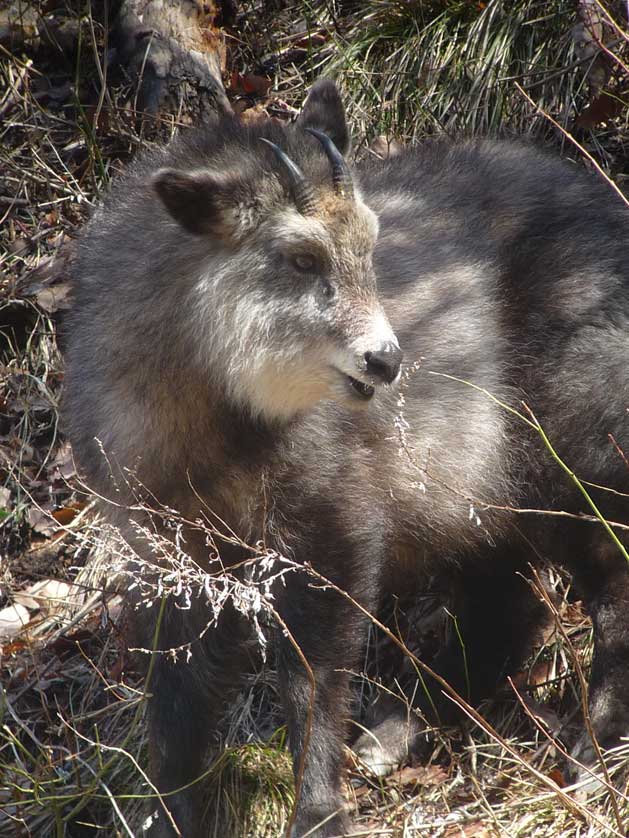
(54,297)
(249,84)
(240,106)
(41,521)
(51,270)
(385,147)
(410,775)
(18,246)
(65,515)
(25,599)
(557,777)
(12,620)
(66,646)
(538,676)
(600,111)
(15,647)
(63,465)
(476,829)
(312,39)
(255,114)
(49,595)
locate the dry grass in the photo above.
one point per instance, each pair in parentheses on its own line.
(414,69)
(72,739)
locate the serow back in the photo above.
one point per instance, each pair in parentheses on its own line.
(235,387)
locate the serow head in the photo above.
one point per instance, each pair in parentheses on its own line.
(289,282)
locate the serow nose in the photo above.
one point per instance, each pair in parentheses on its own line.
(385,363)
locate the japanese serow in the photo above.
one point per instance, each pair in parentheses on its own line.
(244,299)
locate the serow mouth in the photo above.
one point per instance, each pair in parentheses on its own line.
(364,391)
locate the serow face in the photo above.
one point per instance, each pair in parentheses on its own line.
(291,293)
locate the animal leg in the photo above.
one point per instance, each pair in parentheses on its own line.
(187,702)
(604,582)
(330,634)
(497,616)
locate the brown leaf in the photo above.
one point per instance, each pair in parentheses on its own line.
(410,775)
(599,111)
(14,647)
(249,84)
(54,297)
(255,114)
(65,515)
(66,646)
(256,85)
(557,777)
(540,674)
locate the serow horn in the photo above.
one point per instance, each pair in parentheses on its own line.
(301,190)
(341,175)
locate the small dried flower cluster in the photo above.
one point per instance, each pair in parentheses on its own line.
(155,564)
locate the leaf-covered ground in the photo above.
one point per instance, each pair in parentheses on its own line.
(72,745)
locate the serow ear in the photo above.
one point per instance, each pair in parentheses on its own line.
(324,110)
(196,200)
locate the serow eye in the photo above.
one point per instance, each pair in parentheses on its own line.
(304,262)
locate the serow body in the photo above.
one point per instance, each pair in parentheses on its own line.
(243,301)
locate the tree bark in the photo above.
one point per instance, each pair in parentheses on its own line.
(174,52)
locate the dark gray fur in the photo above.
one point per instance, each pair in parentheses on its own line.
(496,264)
